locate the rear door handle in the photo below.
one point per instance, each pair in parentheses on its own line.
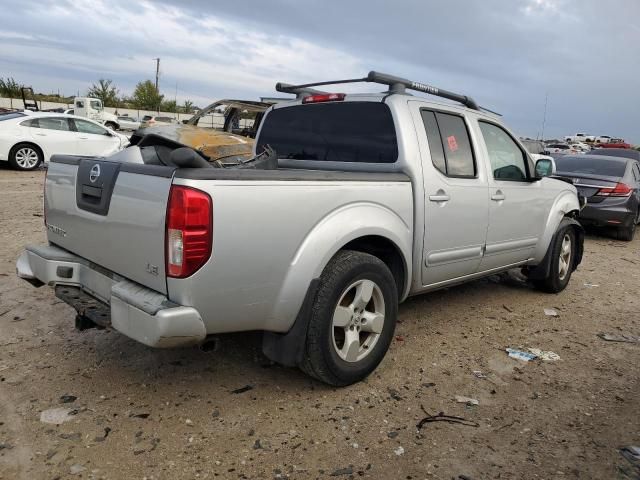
(498,196)
(84,138)
(440,196)
(41,134)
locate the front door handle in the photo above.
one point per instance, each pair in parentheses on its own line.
(440,196)
(41,134)
(83,138)
(498,196)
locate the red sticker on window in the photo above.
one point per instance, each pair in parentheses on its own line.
(453,145)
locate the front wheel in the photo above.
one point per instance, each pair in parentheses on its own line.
(111,125)
(563,251)
(353,319)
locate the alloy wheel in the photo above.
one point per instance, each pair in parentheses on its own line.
(564,261)
(27,158)
(358,320)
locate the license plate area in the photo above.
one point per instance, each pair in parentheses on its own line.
(86,305)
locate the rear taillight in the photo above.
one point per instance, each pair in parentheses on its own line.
(324,97)
(620,190)
(189,233)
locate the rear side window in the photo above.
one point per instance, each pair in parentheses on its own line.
(53,123)
(449,144)
(146,118)
(591,165)
(332,132)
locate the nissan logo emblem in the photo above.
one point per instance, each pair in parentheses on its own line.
(94,173)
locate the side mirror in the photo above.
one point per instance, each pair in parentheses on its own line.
(545,167)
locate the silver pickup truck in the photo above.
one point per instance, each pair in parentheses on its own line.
(375,197)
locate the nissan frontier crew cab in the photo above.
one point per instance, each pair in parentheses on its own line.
(375,197)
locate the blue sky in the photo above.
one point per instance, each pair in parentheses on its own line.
(507,54)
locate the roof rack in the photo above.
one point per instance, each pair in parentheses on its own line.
(396,85)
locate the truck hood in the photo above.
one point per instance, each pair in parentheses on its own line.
(214,144)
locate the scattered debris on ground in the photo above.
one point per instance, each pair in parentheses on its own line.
(520,355)
(547,356)
(614,337)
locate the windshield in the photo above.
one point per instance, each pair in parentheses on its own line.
(591,165)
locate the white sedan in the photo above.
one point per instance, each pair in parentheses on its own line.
(29,138)
(128,123)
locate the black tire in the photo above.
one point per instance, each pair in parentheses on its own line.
(321,360)
(555,282)
(626,234)
(111,125)
(17,158)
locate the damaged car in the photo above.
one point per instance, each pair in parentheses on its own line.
(223,131)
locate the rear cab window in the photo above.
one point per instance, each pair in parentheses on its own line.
(361,132)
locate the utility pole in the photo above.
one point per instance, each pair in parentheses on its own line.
(544,117)
(157,73)
(157,77)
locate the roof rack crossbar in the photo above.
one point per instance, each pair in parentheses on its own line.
(395,84)
(298,90)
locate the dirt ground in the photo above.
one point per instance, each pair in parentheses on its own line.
(182,414)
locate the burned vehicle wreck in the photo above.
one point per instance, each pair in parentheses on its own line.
(223,131)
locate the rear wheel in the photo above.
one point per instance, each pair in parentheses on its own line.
(627,233)
(25,156)
(563,252)
(111,125)
(353,319)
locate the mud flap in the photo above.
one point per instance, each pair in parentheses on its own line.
(288,348)
(541,271)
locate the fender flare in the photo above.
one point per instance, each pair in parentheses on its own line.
(566,203)
(542,270)
(302,281)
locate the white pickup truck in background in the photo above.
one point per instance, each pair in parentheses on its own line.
(92,108)
(375,197)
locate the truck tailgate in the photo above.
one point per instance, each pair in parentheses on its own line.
(112,214)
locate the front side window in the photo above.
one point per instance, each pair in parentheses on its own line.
(449,144)
(87,127)
(508,161)
(96,104)
(54,123)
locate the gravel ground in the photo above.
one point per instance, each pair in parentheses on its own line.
(139,413)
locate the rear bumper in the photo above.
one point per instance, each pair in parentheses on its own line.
(134,310)
(599,215)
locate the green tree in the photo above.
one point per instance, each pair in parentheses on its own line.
(188,106)
(105,91)
(169,106)
(10,88)
(146,96)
